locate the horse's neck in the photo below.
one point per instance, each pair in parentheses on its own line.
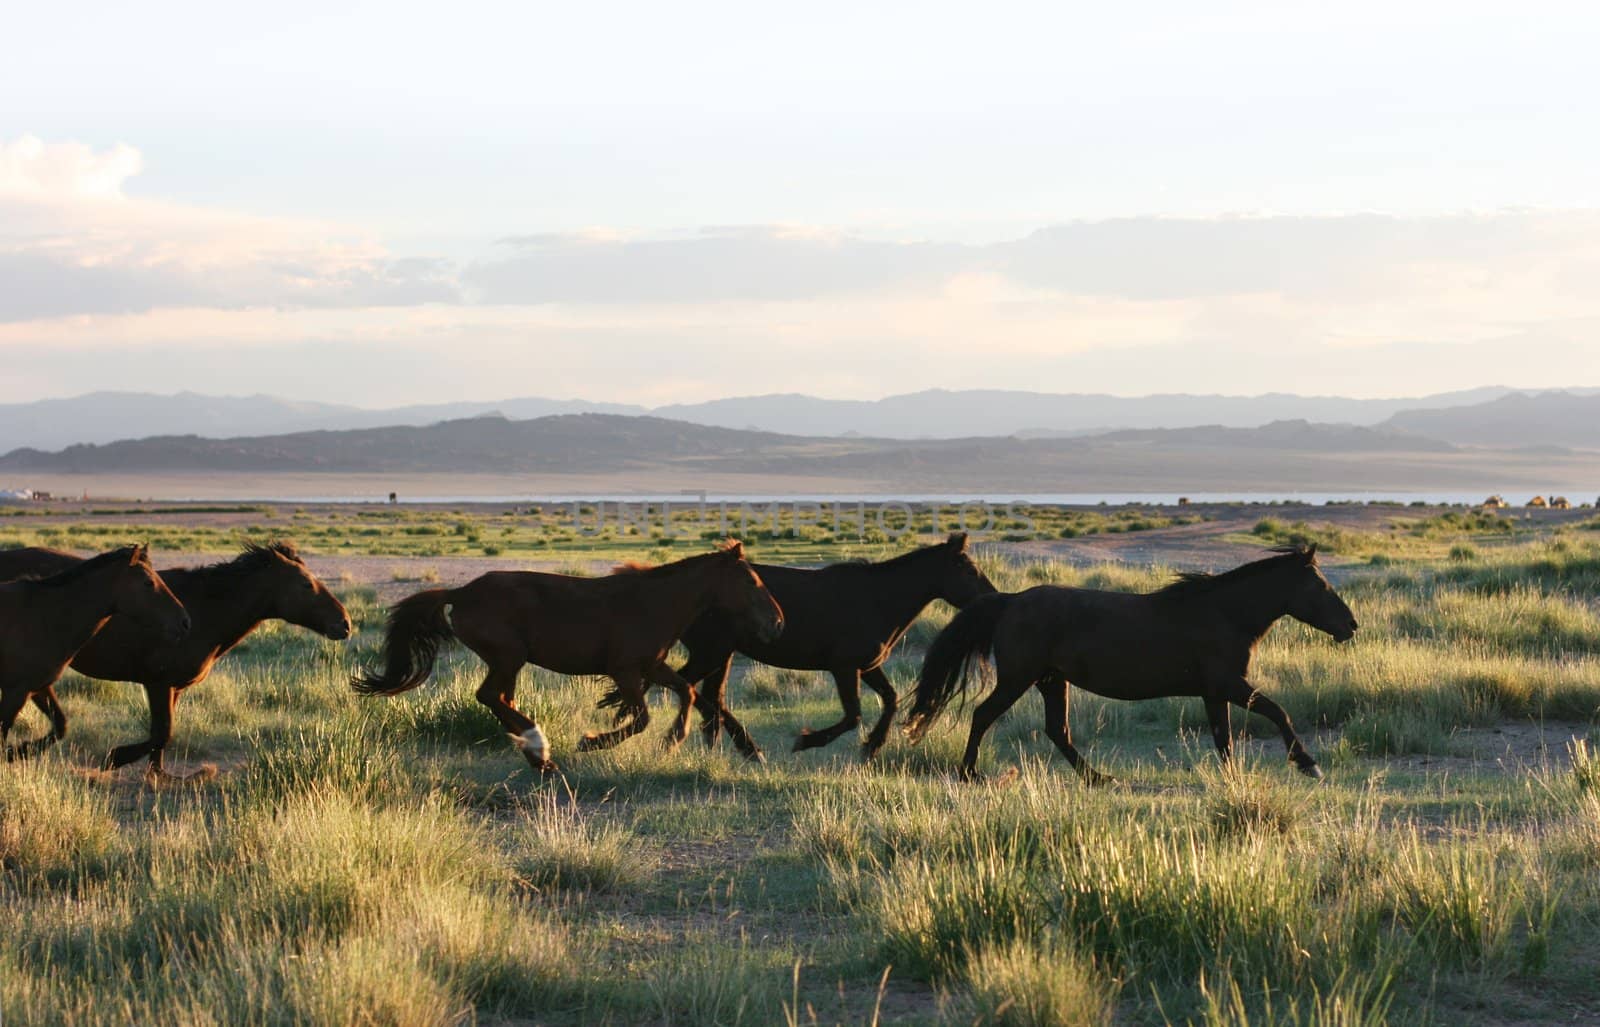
(691,594)
(1252,607)
(75,612)
(904,592)
(221,617)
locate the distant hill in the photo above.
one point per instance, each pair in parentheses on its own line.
(492,444)
(940,413)
(1520,420)
(1285,454)
(100,417)
(108,416)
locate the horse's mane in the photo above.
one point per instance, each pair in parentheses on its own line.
(662,570)
(252,559)
(1194,583)
(82,570)
(915,555)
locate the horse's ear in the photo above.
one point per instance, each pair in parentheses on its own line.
(735,548)
(141,551)
(957,541)
(1311,553)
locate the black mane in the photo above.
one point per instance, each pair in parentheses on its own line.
(82,570)
(1196,583)
(254,558)
(666,569)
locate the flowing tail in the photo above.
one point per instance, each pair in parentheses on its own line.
(969,636)
(417,628)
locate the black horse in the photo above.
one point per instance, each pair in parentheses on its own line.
(1193,638)
(844,618)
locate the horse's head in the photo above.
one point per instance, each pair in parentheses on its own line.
(740,594)
(295,594)
(960,581)
(1312,601)
(139,592)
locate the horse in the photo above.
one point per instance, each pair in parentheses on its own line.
(45,621)
(845,618)
(621,625)
(1194,637)
(226,601)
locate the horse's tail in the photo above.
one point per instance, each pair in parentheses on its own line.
(969,636)
(417,628)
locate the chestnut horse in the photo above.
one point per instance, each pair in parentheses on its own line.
(45,621)
(845,618)
(1193,638)
(226,602)
(622,625)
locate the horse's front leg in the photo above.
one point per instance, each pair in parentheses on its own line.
(1058,728)
(1242,694)
(665,676)
(162,699)
(848,681)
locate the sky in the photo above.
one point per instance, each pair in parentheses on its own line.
(393,203)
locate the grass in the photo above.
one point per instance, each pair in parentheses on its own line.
(393,861)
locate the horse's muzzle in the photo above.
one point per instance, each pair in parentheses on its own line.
(770,630)
(178,630)
(339,631)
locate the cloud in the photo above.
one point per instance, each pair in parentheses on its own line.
(73,245)
(31,167)
(1207,304)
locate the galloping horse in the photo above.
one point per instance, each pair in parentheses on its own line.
(226,602)
(1193,638)
(845,618)
(622,626)
(44,621)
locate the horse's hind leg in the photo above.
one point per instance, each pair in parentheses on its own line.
(50,707)
(11,704)
(633,707)
(1219,713)
(878,681)
(499,693)
(1058,728)
(1007,690)
(1241,694)
(848,680)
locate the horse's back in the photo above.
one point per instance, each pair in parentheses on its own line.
(34,562)
(1120,644)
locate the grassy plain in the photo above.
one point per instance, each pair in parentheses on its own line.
(392,861)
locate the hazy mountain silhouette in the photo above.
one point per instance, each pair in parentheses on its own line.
(1520,420)
(108,416)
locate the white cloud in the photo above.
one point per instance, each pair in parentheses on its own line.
(31,167)
(72,244)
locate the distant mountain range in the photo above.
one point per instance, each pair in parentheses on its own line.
(108,416)
(1293,454)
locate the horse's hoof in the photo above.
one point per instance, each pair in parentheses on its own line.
(1095,779)
(1310,770)
(589,743)
(756,756)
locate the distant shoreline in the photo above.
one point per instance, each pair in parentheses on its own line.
(664,486)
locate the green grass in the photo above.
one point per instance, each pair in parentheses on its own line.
(393,861)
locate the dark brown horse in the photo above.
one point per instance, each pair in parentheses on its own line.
(226,602)
(622,626)
(1193,638)
(845,618)
(45,621)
